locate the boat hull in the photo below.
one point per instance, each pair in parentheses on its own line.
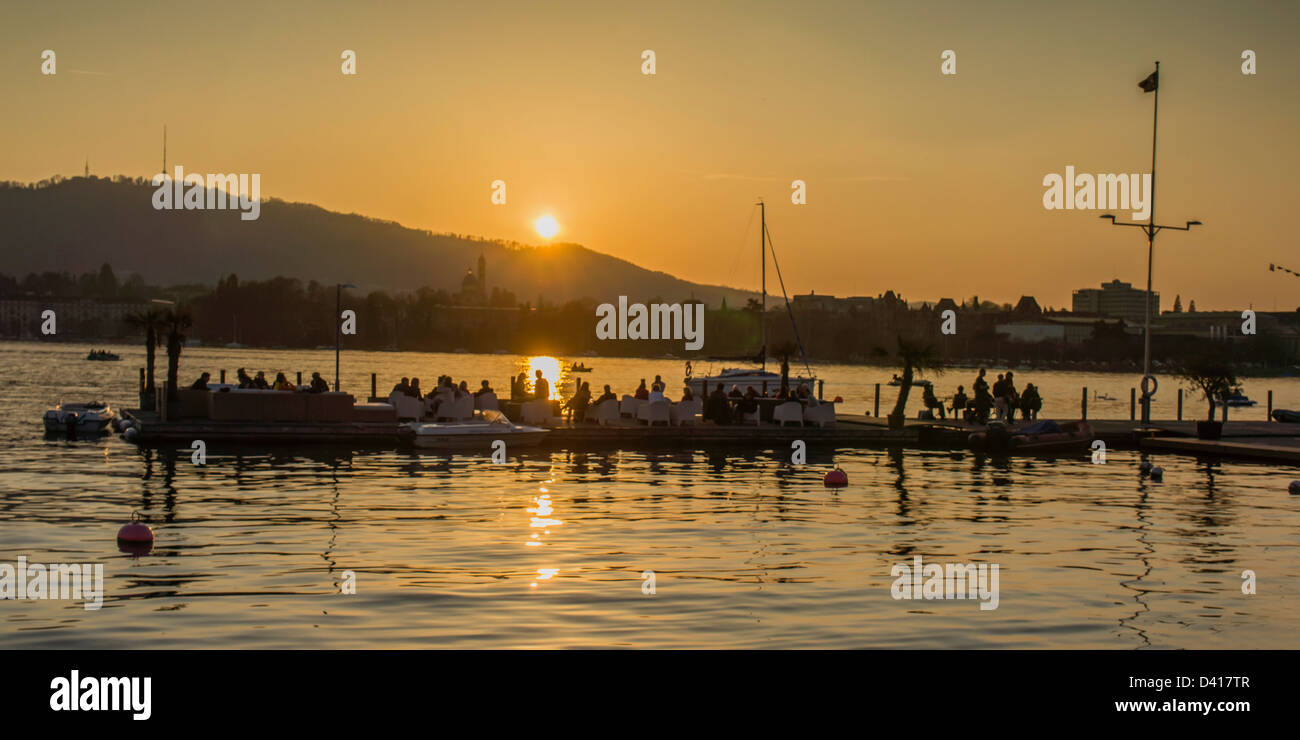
(475,435)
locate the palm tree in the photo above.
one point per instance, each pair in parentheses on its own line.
(150,322)
(176,322)
(916,358)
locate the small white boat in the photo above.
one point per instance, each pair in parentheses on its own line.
(1236,400)
(476,433)
(79,418)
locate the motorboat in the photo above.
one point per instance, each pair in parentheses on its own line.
(101,355)
(1040,437)
(477,433)
(79,418)
(1238,399)
(578,367)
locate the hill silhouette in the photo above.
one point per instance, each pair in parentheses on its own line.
(79,223)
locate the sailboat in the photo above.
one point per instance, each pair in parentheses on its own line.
(745,377)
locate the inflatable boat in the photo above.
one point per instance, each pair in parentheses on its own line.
(1042,436)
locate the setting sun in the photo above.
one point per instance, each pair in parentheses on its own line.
(547,226)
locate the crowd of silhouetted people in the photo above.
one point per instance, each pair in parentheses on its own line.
(446,390)
(244,381)
(1000,400)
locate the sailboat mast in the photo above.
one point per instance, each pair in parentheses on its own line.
(762,255)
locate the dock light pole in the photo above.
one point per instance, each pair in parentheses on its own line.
(1149,384)
(1151,228)
(338,328)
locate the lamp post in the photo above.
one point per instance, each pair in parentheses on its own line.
(338,328)
(1150,84)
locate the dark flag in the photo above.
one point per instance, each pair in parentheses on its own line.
(1150,83)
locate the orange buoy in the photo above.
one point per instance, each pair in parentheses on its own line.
(836,479)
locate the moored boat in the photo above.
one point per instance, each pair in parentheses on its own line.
(743,378)
(1039,437)
(476,434)
(79,418)
(1238,399)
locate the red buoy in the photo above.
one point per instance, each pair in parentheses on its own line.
(836,479)
(135,532)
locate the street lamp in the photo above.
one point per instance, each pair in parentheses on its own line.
(338,328)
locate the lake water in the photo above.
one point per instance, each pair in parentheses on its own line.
(552,548)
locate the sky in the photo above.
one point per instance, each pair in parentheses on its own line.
(927,184)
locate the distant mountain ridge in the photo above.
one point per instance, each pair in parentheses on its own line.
(76,224)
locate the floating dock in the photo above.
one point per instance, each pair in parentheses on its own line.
(152,430)
(1263,449)
(1245,440)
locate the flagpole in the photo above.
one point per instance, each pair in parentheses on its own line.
(1151,248)
(1150,84)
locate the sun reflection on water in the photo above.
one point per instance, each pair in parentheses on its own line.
(541,518)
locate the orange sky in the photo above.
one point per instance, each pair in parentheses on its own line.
(917,182)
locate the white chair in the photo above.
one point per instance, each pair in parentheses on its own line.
(486,402)
(627,407)
(407,407)
(604,412)
(536,412)
(751,416)
(456,410)
(787,412)
(684,412)
(650,412)
(821,414)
